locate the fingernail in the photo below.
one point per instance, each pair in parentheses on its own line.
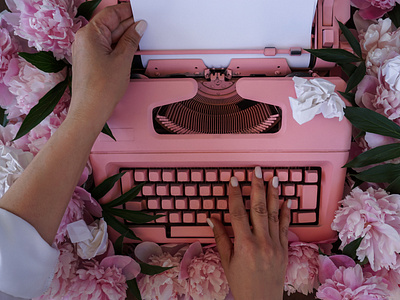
(257,172)
(141,27)
(275,182)
(234,182)
(289,203)
(209,222)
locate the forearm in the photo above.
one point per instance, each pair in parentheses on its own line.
(42,193)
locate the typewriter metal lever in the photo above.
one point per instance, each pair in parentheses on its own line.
(217,79)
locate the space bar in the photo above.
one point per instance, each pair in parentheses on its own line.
(195,231)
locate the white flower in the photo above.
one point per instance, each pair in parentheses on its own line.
(90,240)
(315,96)
(12,163)
(391,73)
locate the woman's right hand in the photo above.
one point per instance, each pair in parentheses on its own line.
(255,265)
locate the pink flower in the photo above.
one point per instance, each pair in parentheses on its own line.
(81,200)
(302,269)
(374,216)
(68,263)
(380,42)
(373,9)
(39,135)
(392,276)
(207,277)
(8,51)
(165,285)
(8,133)
(48,25)
(96,282)
(28,85)
(351,283)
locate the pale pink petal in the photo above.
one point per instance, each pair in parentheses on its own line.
(144,250)
(130,268)
(194,250)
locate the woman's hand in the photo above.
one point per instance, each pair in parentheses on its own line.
(102,55)
(255,264)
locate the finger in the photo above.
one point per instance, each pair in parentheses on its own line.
(284,222)
(224,244)
(273,208)
(238,214)
(112,16)
(129,41)
(119,31)
(258,205)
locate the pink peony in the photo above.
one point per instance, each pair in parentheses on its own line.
(81,200)
(8,51)
(28,85)
(39,135)
(373,215)
(302,269)
(66,271)
(165,285)
(48,25)
(350,283)
(96,282)
(373,9)
(380,42)
(207,277)
(392,276)
(8,133)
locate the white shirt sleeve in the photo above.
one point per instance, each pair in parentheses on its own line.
(27,262)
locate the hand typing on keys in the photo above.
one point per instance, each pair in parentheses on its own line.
(255,264)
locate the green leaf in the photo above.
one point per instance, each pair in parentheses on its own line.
(118,226)
(135,217)
(44,61)
(103,188)
(376,155)
(134,289)
(119,245)
(86,9)
(382,173)
(41,110)
(339,56)
(152,270)
(128,196)
(356,77)
(350,249)
(3,117)
(394,186)
(348,68)
(349,97)
(394,15)
(370,121)
(107,130)
(355,45)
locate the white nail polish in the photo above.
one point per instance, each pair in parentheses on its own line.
(209,222)
(234,182)
(275,182)
(289,203)
(141,27)
(257,172)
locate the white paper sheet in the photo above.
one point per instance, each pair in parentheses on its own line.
(226,24)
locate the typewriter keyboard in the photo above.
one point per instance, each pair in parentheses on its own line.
(186,197)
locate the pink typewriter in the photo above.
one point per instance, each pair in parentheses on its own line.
(193,116)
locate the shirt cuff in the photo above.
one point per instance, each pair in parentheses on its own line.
(27,261)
